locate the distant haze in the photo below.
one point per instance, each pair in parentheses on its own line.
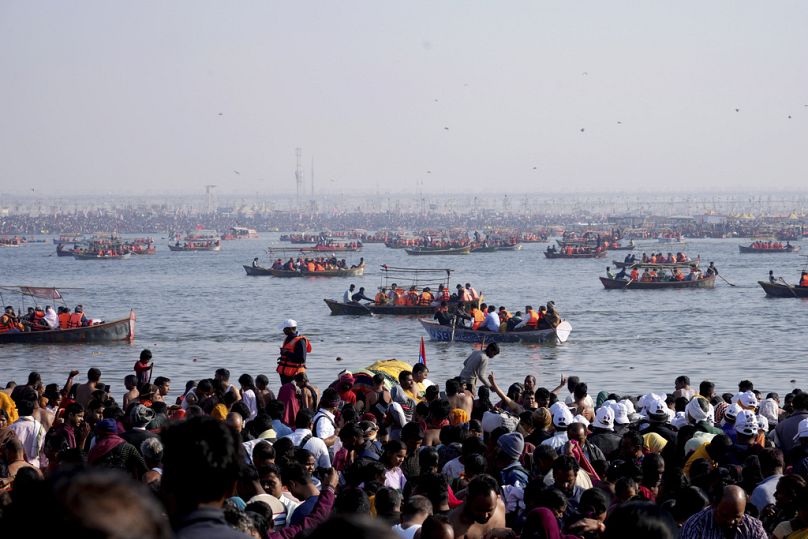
(155,97)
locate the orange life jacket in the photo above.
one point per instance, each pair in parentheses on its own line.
(635,274)
(310,266)
(804,280)
(64,320)
(444,295)
(504,316)
(75,320)
(426,298)
(479,318)
(399,298)
(533,320)
(381,298)
(412,297)
(6,324)
(287,364)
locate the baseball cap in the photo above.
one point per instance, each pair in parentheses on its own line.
(733,411)
(746,400)
(604,418)
(802,430)
(620,413)
(562,416)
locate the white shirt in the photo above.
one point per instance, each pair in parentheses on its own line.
(491,322)
(408,533)
(31,435)
(557,441)
(346,297)
(315,446)
(248,397)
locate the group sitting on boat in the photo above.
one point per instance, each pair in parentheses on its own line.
(575,250)
(323,263)
(763,245)
(483,317)
(658,258)
(651,275)
(39,319)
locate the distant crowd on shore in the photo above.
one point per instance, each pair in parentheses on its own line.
(399,456)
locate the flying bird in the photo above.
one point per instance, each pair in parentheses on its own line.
(237,172)
(582,130)
(585,73)
(534,168)
(789,116)
(446,128)
(429,172)
(737,110)
(221,114)
(619,122)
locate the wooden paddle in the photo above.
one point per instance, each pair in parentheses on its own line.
(722,278)
(790,288)
(628,283)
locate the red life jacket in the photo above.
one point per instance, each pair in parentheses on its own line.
(288,365)
(533,321)
(444,295)
(64,320)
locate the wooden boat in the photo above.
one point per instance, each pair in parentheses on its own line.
(659,265)
(262,271)
(590,254)
(330,247)
(485,249)
(360,309)
(80,255)
(619,284)
(441,333)
(510,247)
(630,247)
(61,251)
(423,251)
(68,238)
(786,249)
(777,290)
(196,246)
(117,330)
(240,233)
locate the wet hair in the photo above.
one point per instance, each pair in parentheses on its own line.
(452,387)
(565,463)
(580,391)
(418,368)
(261,381)
(683,380)
(439,409)
(403,375)
(25,407)
(706,387)
(247,381)
(94,375)
(745,385)
(432,392)
(482,485)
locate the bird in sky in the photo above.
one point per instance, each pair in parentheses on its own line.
(789,116)
(619,122)
(582,130)
(237,172)
(534,168)
(737,110)
(221,114)
(446,128)
(429,172)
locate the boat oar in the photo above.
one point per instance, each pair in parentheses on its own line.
(722,278)
(628,283)
(454,323)
(790,288)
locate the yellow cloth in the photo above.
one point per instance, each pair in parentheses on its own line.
(799,534)
(219,412)
(8,405)
(699,453)
(458,416)
(653,442)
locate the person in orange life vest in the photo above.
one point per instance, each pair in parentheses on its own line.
(804,279)
(678,275)
(381,297)
(442,295)
(38,320)
(293,352)
(635,274)
(9,322)
(531,319)
(652,274)
(310,266)
(426,297)
(504,315)
(463,295)
(77,319)
(64,317)
(412,296)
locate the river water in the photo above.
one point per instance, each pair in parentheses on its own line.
(199,311)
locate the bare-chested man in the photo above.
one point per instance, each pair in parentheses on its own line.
(458,397)
(483,513)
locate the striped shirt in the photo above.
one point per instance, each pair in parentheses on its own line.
(703,525)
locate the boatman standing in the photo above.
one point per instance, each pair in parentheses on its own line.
(293,352)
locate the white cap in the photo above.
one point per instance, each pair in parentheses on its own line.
(657,407)
(604,418)
(746,423)
(288,323)
(629,406)
(733,411)
(763,423)
(562,416)
(620,414)
(802,430)
(746,400)
(679,420)
(581,419)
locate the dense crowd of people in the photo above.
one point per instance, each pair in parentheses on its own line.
(399,457)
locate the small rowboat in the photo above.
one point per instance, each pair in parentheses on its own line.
(421,251)
(441,333)
(619,284)
(787,249)
(117,330)
(347,272)
(590,254)
(361,309)
(629,247)
(777,290)
(333,248)
(665,265)
(98,256)
(196,247)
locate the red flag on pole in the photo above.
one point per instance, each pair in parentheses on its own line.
(422,352)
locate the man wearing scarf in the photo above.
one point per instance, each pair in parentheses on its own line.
(112,451)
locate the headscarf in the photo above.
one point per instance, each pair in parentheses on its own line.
(51,318)
(542,418)
(653,443)
(601,398)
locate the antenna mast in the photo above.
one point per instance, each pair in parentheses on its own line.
(299,173)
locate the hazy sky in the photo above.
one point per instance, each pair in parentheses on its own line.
(153,96)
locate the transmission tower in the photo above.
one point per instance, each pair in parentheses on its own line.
(209,193)
(299,173)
